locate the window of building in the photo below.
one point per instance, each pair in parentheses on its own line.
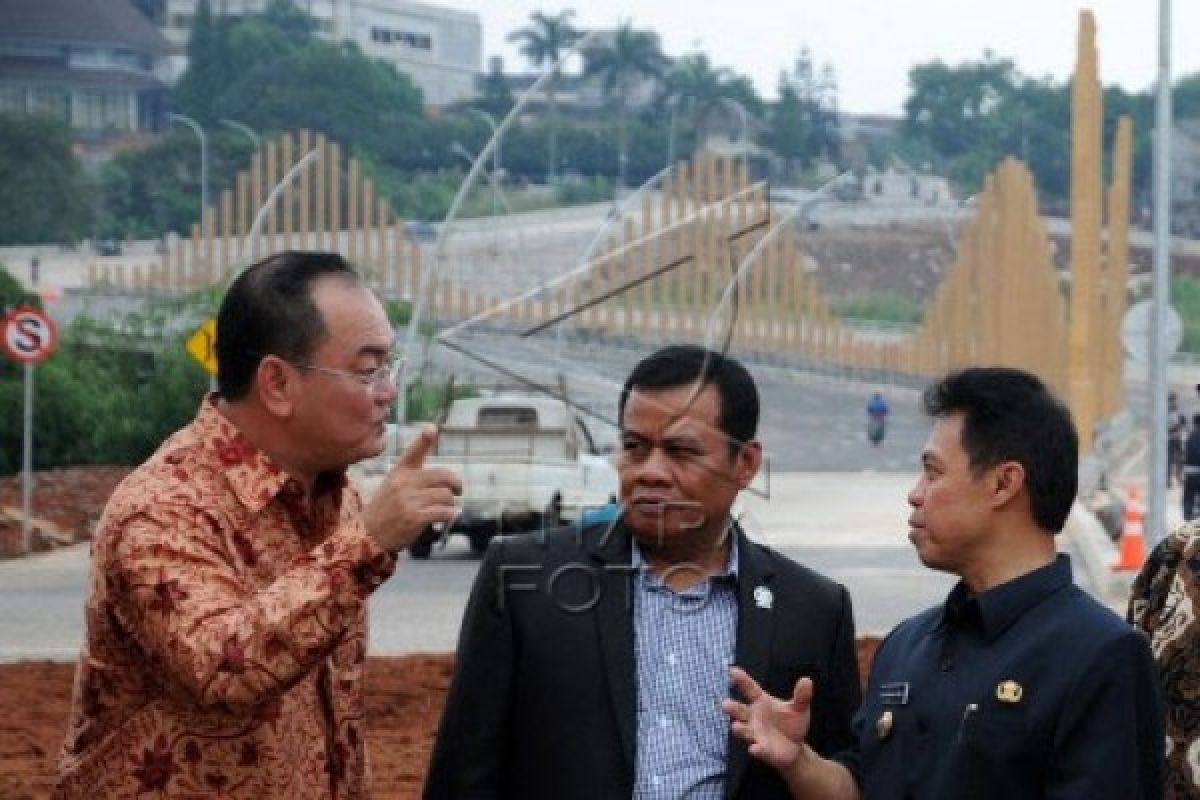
(413,41)
(55,102)
(102,109)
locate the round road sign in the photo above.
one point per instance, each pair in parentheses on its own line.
(29,335)
(1135,331)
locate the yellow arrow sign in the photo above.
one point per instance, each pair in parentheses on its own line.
(202,345)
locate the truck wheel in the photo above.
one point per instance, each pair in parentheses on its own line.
(423,546)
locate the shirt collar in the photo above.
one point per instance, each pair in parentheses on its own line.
(995,610)
(642,567)
(253,477)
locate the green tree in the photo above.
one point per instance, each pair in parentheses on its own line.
(206,73)
(1186,97)
(543,42)
(787,135)
(326,87)
(952,107)
(284,16)
(13,294)
(1034,124)
(99,372)
(629,57)
(147,193)
(707,91)
(495,97)
(969,117)
(254,41)
(803,123)
(47,196)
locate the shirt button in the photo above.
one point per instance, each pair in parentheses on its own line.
(947,665)
(664,722)
(672,659)
(656,781)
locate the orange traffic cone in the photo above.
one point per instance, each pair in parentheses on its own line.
(1133,541)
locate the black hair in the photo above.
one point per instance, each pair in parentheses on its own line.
(685,365)
(269,310)
(1010,415)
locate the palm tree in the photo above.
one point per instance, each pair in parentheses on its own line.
(543,42)
(630,56)
(708,90)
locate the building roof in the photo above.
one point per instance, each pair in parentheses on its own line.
(103,22)
(33,72)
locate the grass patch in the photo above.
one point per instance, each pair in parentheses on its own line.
(879,307)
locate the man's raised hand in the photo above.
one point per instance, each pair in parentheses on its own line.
(412,496)
(774,729)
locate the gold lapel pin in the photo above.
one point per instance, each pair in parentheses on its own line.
(1009,692)
(883,725)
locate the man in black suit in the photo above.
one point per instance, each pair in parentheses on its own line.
(593,661)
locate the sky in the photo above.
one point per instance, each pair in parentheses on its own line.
(871,44)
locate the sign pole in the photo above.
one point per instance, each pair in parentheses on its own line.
(27,464)
(29,337)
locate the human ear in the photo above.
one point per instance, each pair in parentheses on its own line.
(1008,479)
(276,384)
(749,459)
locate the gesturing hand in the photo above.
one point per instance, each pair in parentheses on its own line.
(774,729)
(411,497)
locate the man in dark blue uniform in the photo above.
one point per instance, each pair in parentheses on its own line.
(1020,685)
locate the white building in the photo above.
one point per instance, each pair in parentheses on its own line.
(441,49)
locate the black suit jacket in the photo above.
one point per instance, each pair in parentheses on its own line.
(542,703)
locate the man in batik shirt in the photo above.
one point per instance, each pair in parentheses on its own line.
(1162,604)
(226,619)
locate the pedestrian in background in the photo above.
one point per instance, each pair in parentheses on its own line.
(1191,471)
(877,414)
(1177,432)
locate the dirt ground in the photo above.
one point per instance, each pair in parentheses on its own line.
(404,694)
(67,504)
(404,700)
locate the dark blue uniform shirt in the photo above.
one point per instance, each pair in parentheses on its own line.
(1029,690)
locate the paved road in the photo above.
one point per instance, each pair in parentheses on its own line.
(850,526)
(809,423)
(830,500)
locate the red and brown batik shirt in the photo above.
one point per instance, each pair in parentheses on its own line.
(226,631)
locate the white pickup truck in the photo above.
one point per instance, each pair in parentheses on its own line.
(526,461)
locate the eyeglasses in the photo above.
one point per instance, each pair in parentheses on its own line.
(387,373)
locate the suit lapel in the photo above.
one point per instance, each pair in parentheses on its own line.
(755,631)
(614,625)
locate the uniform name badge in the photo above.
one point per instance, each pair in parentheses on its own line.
(891,695)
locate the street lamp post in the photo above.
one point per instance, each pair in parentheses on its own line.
(1160,283)
(195,126)
(491,121)
(246,129)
